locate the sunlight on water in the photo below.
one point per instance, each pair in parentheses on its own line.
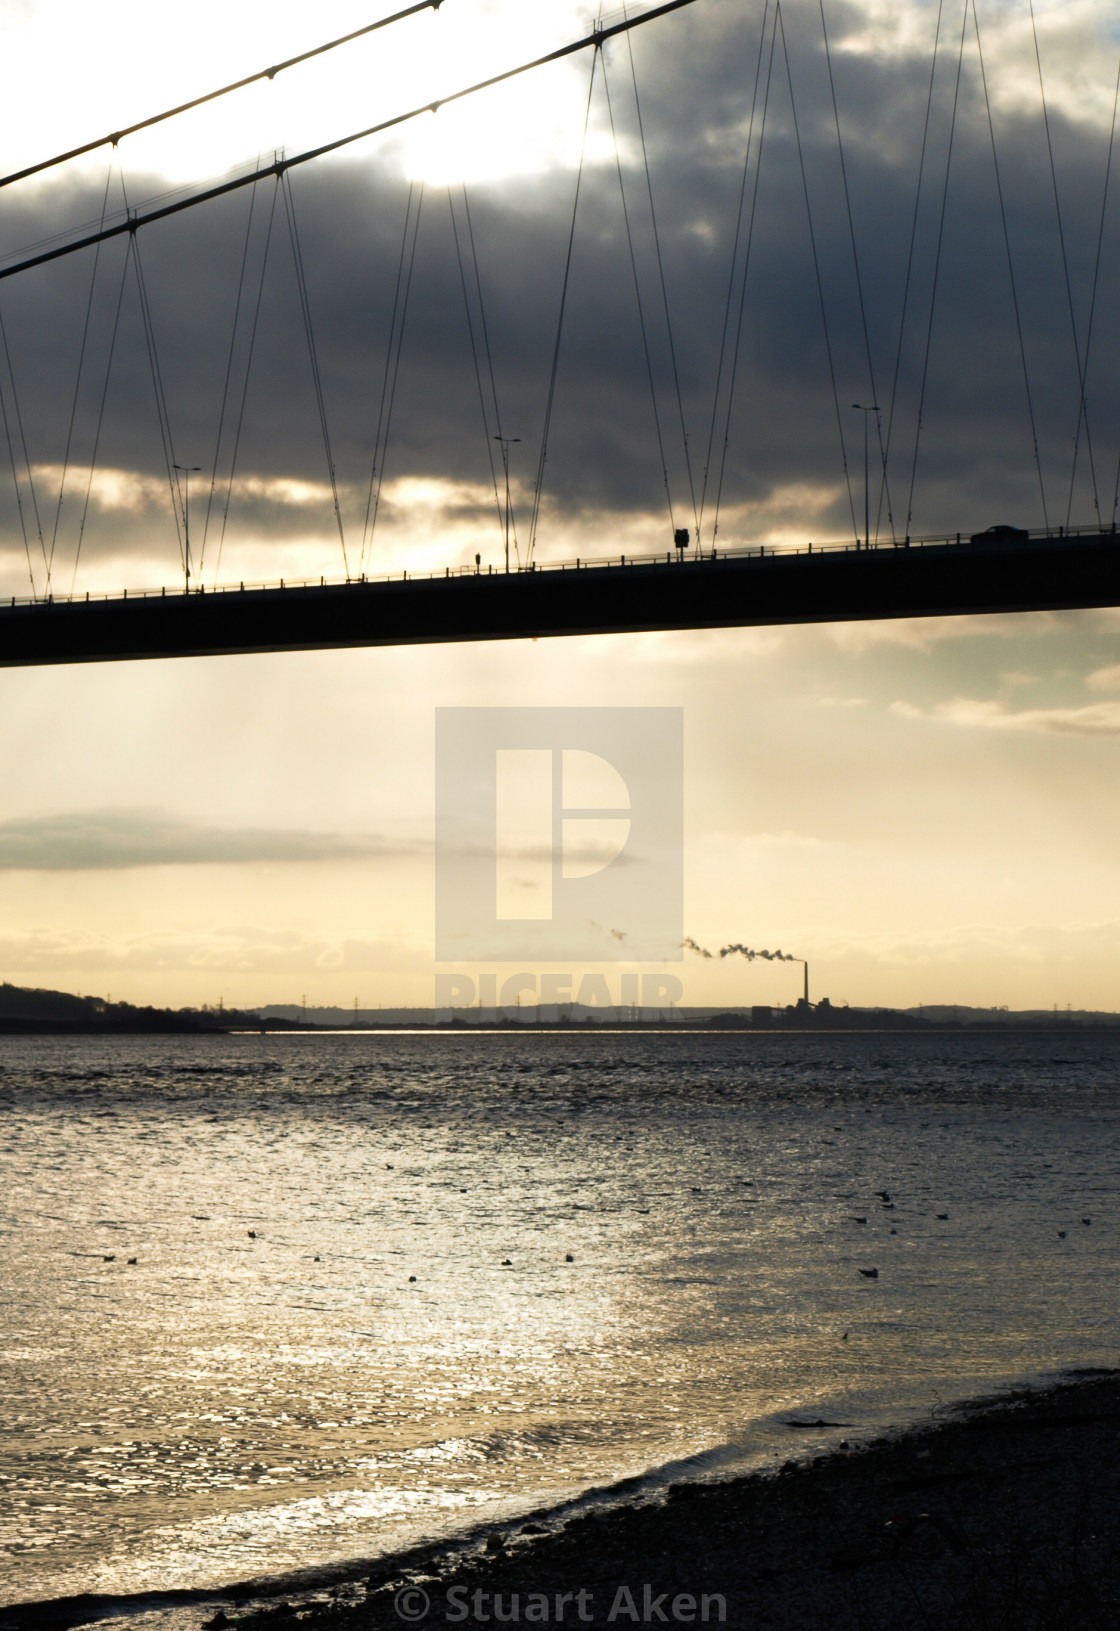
(352,1320)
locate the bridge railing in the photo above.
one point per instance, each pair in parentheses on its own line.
(668,558)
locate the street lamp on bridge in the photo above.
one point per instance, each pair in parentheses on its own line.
(187,471)
(506,443)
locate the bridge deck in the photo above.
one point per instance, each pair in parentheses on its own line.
(1043,573)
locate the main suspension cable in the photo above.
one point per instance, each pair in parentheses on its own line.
(593,40)
(117,136)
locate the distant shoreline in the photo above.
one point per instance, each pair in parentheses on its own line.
(30,1012)
(274,1027)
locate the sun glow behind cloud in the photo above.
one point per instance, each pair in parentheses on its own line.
(282,528)
(124,60)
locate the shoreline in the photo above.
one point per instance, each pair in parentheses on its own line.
(1005,1512)
(548,1027)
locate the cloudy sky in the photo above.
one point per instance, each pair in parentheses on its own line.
(925,810)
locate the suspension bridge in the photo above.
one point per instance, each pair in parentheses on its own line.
(739,589)
(706,578)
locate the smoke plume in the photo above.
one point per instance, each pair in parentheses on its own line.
(736,950)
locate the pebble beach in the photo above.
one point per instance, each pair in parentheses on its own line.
(1008,1514)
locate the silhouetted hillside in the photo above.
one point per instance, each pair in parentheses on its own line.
(24,1011)
(16,1003)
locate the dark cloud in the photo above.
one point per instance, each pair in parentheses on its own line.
(94,840)
(695,74)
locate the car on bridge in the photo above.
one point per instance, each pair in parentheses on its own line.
(1001,535)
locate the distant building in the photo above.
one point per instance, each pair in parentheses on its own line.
(761,1015)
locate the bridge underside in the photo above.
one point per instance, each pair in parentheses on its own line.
(730,592)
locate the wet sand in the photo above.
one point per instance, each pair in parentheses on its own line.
(1006,1514)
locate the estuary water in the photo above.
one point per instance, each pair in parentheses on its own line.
(388,1286)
